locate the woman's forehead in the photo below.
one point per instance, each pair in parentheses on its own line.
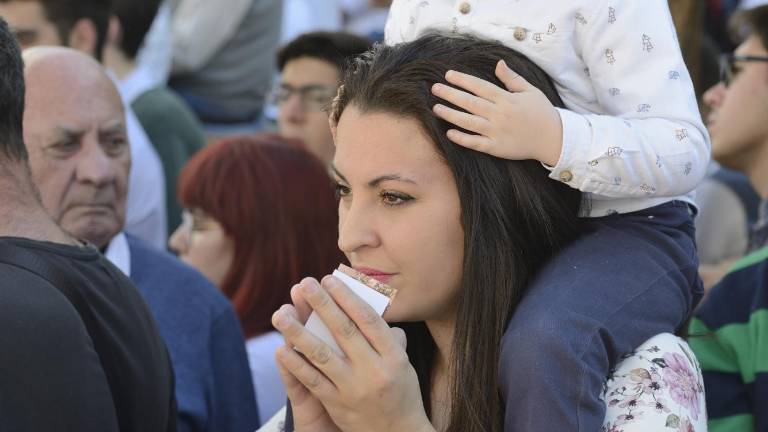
(384,144)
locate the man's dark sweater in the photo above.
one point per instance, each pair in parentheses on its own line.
(213,381)
(105,370)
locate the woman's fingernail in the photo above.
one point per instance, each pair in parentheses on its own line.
(281,319)
(310,287)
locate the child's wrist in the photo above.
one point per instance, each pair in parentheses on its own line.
(552,144)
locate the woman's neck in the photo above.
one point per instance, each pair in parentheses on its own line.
(442,333)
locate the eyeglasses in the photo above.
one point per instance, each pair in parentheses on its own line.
(313,97)
(729,68)
(192,222)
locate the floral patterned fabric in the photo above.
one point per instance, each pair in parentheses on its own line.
(658,387)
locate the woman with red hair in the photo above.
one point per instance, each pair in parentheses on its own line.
(261,216)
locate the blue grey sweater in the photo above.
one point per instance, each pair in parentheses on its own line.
(214,390)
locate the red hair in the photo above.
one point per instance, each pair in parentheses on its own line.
(276,202)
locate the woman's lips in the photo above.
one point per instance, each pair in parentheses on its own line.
(379,275)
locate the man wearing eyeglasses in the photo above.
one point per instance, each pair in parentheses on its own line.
(731,327)
(311,67)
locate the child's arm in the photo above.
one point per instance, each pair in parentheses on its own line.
(650,142)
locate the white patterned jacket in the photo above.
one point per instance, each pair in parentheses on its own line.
(633,134)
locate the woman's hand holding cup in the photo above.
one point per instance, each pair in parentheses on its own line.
(373,387)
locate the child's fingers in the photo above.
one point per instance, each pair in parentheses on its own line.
(478,86)
(513,81)
(474,142)
(461,119)
(463,100)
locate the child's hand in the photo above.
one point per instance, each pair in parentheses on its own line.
(517,124)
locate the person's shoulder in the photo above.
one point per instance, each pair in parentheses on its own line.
(32,311)
(755,260)
(167,273)
(658,385)
(160,104)
(742,293)
(49,363)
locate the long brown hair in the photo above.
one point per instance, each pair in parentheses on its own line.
(514,217)
(276,202)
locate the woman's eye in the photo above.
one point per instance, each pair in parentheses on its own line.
(394,198)
(341,190)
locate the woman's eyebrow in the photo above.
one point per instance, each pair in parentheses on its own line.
(375,182)
(338,174)
(391,177)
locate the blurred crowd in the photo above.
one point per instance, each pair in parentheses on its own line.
(184,148)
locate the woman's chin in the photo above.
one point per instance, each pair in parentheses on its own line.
(391,315)
(395,315)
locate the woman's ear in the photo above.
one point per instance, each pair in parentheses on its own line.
(83,37)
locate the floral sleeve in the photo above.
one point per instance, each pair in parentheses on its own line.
(658,387)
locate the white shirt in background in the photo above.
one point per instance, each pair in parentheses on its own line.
(632,135)
(201,27)
(119,253)
(304,16)
(156,52)
(270,392)
(749,4)
(145,207)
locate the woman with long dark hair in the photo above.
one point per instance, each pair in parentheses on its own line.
(458,233)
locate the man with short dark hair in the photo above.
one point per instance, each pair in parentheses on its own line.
(84,26)
(311,67)
(731,326)
(79,24)
(81,351)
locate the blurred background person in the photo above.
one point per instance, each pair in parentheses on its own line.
(74,130)
(80,348)
(732,322)
(305,16)
(262,216)
(223,56)
(156,52)
(311,67)
(172,128)
(366,17)
(728,205)
(83,25)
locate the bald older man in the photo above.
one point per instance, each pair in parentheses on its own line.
(80,350)
(74,129)
(83,25)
